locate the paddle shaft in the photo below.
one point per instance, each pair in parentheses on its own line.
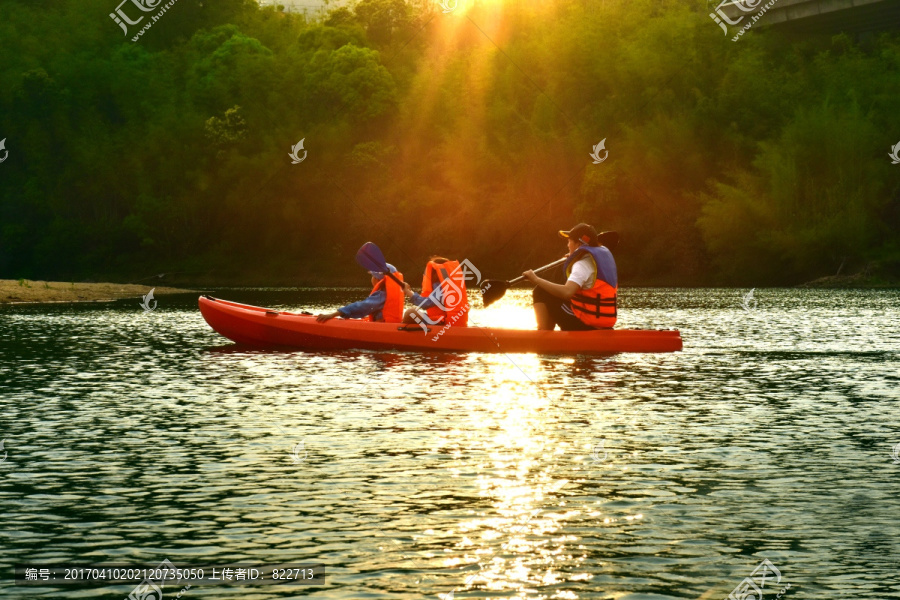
(555,263)
(397,281)
(607,238)
(492,290)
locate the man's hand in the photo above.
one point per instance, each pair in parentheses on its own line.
(407,290)
(324,317)
(530,276)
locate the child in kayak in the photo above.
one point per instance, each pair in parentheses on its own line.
(384,303)
(443,299)
(588,298)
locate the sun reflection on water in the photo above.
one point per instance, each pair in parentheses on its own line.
(512,543)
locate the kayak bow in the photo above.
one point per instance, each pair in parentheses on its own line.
(262,327)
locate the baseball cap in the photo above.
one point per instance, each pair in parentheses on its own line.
(581,233)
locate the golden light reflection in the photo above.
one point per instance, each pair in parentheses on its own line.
(510,313)
(514,456)
(512,543)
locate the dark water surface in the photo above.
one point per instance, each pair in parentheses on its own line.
(133,437)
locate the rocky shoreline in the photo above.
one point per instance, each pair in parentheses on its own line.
(858,280)
(27,291)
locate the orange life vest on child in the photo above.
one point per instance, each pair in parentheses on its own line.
(393,303)
(596,306)
(453,292)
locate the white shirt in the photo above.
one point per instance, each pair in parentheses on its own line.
(583,273)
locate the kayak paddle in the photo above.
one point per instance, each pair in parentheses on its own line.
(494,289)
(371,258)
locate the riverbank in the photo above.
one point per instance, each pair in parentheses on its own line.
(856,281)
(23,290)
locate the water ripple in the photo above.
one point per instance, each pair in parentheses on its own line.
(132,437)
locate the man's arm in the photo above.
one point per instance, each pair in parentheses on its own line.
(563,292)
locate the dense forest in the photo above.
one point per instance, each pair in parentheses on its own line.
(468,133)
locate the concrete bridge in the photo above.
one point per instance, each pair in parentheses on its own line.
(816,16)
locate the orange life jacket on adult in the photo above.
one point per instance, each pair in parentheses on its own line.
(393,303)
(596,306)
(452,306)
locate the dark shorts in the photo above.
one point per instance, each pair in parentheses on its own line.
(555,306)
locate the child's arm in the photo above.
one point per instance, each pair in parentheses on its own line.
(359,310)
(418,300)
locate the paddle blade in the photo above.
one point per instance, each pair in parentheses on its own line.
(610,239)
(371,258)
(492,290)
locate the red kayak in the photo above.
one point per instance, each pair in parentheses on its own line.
(263,327)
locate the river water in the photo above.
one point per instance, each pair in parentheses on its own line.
(132,437)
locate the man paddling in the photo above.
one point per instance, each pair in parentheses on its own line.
(587,300)
(385,302)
